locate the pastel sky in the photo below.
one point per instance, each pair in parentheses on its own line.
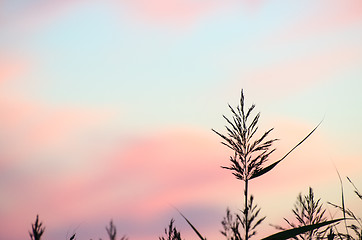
(106,110)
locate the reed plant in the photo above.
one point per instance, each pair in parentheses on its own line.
(230,226)
(112,232)
(307,211)
(171,232)
(250,155)
(249,161)
(355,222)
(37,229)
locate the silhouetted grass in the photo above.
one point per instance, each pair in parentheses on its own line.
(230,226)
(307,211)
(248,162)
(171,232)
(36,229)
(112,232)
(356,225)
(292,233)
(250,155)
(249,159)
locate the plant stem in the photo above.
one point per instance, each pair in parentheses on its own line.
(246,210)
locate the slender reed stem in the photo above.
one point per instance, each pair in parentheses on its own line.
(246,210)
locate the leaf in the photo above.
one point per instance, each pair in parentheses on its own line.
(264,170)
(192,226)
(270,167)
(290,233)
(342,196)
(355,189)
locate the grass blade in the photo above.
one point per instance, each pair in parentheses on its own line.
(270,167)
(290,233)
(355,189)
(342,196)
(265,170)
(192,226)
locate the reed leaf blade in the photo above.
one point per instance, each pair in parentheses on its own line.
(192,226)
(270,167)
(290,233)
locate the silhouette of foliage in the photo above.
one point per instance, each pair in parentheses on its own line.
(231,226)
(356,226)
(192,226)
(247,162)
(292,233)
(307,211)
(250,154)
(36,229)
(171,232)
(112,232)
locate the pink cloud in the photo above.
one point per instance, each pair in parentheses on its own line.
(158,165)
(139,182)
(331,17)
(32,128)
(252,5)
(176,13)
(141,178)
(44,149)
(11,67)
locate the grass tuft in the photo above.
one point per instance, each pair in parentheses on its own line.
(171,232)
(307,211)
(37,229)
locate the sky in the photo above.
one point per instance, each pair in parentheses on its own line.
(107,109)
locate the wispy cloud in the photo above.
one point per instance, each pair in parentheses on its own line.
(181,13)
(12,67)
(326,18)
(306,71)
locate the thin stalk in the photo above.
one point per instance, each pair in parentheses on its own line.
(246,210)
(246,181)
